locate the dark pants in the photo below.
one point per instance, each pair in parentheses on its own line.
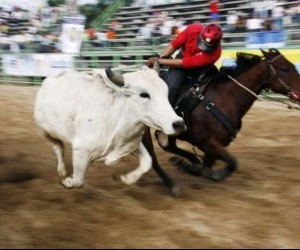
(175,79)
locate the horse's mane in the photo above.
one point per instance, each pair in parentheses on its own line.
(244,61)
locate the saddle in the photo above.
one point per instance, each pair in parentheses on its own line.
(188,96)
(194,92)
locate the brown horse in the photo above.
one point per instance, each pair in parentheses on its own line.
(217,117)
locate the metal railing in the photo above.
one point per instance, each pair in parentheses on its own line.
(117,54)
(103,18)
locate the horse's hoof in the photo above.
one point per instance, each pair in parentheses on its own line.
(175,160)
(196,169)
(206,173)
(187,167)
(217,176)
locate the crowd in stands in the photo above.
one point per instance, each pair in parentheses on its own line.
(19,28)
(267,15)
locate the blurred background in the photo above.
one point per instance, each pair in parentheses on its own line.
(258,207)
(39,37)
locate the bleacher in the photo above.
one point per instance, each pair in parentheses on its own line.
(133,17)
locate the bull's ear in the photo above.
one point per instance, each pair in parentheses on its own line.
(116,79)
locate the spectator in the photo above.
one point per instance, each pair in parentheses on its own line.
(277,16)
(294,12)
(166,29)
(146,33)
(261,8)
(115,25)
(240,25)
(268,24)
(91,32)
(111,36)
(101,38)
(214,10)
(231,21)
(156,34)
(254,23)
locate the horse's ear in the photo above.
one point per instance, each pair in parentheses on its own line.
(263,52)
(274,51)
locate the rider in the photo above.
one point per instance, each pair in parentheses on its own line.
(200,47)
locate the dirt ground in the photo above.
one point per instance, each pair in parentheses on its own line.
(257,207)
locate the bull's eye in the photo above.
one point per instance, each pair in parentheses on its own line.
(145,95)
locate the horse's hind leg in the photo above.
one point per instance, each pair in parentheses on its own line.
(59,150)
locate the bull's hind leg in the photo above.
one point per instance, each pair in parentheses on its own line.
(59,151)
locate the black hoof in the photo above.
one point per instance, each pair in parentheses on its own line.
(176,160)
(175,191)
(220,175)
(217,176)
(187,167)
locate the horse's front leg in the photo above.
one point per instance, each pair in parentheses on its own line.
(213,154)
(169,145)
(192,166)
(167,180)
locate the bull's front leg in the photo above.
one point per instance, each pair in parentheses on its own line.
(145,161)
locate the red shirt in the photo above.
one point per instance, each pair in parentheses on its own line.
(193,56)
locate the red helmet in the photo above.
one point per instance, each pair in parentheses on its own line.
(210,37)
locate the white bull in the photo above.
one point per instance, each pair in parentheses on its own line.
(103,116)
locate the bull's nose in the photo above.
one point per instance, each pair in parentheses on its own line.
(179,126)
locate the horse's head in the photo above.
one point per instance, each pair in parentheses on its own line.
(283,77)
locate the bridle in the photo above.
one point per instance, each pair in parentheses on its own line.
(291,93)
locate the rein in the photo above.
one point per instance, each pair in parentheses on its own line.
(128,67)
(117,68)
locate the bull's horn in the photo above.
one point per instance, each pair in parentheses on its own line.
(117,79)
(156,65)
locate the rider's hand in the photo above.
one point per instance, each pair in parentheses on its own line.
(150,62)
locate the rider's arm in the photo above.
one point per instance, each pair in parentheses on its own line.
(177,63)
(168,51)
